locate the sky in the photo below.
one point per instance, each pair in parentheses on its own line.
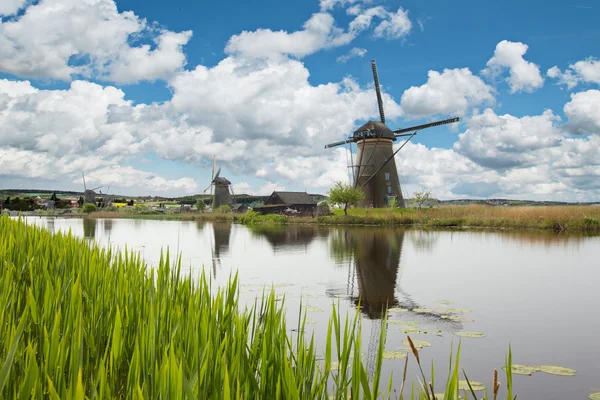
(140,94)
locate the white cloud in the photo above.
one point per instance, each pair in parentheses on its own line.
(504,141)
(587,71)
(269,188)
(454,91)
(583,113)
(354,53)
(10,7)
(60,39)
(394,26)
(128,177)
(523,75)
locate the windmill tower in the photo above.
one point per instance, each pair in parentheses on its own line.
(89,195)
(375,169)
(222,187)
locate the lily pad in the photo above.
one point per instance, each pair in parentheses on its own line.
(443,302)
(554,370)
(457,318)
(595,396)
(410,329)
(391,354)
(424,310)
(314,309)
(398,309)
(402,322)
(310,321)
(522,369)
(477,386)
(418,343)
(458,310)
(470,334)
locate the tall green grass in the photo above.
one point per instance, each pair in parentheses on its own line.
(81,322)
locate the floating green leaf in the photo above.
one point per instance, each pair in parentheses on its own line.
(477,386)
(595,396)
(457,318)
(410,329)
(398,309)
(554,370)
(402,322)
(470,334)
(390,354)
(424,310)
(458,310)
(314,309)
(443,302)
(522,369)
(417,343)
(310,321)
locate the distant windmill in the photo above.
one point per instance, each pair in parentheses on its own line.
(89,195)
(106,198)
(222,187)
(375,170)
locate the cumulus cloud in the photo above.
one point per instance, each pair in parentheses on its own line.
(128,177)
(504,141)
(524,76)
(68,38)
(354,53)
(454,91)
(10,7)
(583,113)
(394,25)
(585,71)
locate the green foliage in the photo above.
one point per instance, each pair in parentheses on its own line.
(88,208)
(422,196)
(343,194)
(200,205)
(394,202)
(253,217)
(224,208)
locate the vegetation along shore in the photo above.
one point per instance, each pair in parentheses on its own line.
(79,321)
(566,219)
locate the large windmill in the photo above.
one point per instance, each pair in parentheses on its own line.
(374,169)
(89,195)
(222,187)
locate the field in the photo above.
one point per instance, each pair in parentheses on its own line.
(82,322)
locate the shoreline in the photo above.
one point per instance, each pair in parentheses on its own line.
(566,220)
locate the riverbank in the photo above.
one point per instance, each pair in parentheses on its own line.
(565,219)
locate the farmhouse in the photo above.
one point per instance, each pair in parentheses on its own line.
(290,203)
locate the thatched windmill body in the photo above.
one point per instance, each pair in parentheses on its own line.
(89,195)
(374,168)
(222,187)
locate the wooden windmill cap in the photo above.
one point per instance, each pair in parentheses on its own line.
(379,128)
(221,181)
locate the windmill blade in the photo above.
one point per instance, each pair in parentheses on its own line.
(231,187)
(431,125)
(378,90)
(208,187)
(389,159)
(330,145)
(83,176)
(97,188)
(217,175)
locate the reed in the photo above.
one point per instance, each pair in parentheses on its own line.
(81,322)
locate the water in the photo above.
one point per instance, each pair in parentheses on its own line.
(537,292)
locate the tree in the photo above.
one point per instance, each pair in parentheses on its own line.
(345,194)
(88,208)
(200,206)
(422,196)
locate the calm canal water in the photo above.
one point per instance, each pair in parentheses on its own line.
(537,292)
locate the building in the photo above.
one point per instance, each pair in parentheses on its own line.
(289,203)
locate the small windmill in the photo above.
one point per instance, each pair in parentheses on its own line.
(106,199)
(89,195)
(375,170)
(222,187)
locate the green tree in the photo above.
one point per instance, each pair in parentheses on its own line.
(88,208)
(422,196)
(200,206)
(345,194)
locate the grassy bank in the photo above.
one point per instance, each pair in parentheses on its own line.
(80,322)
(569,219)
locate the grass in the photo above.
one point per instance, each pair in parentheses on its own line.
(81,322)
(570,219)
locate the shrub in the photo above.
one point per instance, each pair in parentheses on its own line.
(88,208)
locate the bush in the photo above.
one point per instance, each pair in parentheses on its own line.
(224,208)
(200,206)
(88,208)
(253,217)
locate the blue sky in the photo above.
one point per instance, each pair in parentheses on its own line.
(263,85)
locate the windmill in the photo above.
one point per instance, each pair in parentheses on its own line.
(375,170)
(89,195)
(106,199)
(222,186)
